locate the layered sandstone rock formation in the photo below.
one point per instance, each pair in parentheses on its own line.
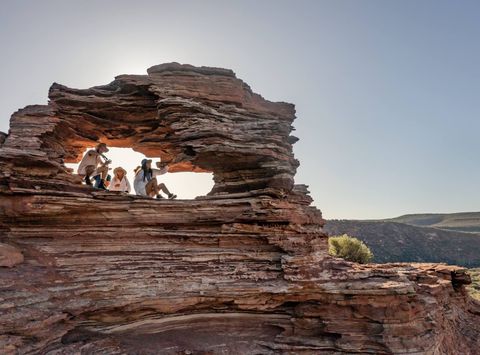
(243,270)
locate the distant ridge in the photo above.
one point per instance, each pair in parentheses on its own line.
(462,222)
(450,238)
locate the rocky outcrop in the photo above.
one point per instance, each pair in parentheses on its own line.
(242,270)
(198,120)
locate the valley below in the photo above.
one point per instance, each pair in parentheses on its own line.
(439,238)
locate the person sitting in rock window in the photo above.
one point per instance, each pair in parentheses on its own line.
(120,181)
(97,182)
(95,163)
(145,183)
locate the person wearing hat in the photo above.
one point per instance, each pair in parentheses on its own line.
(95,163)
(145,183)
(120,181)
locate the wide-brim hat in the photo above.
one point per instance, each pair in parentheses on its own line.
(119,169)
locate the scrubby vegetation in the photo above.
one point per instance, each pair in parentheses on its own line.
(399,242)
(349,248)
(474,288)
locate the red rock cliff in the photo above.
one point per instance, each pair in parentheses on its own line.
(242,270)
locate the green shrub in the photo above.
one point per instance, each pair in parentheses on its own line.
(349,248)
(474,288)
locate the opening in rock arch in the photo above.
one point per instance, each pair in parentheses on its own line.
(186,185)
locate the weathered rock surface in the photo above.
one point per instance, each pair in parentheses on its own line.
(3,136)
(242,270)
(9,255)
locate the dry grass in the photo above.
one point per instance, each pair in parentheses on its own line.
(474,288)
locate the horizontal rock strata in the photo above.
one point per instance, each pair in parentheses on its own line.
(242,270)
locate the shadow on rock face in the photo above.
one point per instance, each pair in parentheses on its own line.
(207,333)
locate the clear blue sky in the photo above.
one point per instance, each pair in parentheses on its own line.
(387,92)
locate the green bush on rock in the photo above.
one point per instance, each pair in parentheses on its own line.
(349,248)
(474,288)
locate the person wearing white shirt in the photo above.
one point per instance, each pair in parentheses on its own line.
(120,181)
(145,183)
(95,163)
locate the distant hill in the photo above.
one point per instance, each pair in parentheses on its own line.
(401,242)
(462,222)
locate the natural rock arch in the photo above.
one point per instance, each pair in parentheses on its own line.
(197,119)
(89,271)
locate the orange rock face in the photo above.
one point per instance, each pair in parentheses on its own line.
(242,270)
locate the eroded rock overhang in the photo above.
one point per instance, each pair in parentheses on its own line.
(197,119)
